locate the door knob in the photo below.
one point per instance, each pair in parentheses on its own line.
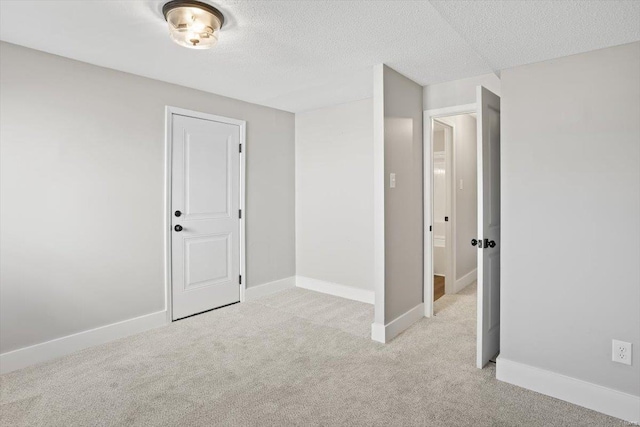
(474,242)
(178,227)
(178,213)
(489,243)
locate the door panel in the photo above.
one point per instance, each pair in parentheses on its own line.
(205,189)
(208,260)
(207,181)
(493,274)
(488,344)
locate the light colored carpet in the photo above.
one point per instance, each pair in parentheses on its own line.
(325,310)
(296,358)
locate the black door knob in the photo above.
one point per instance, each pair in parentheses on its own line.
(178,213)
(474,242)
(178,227)
(491,244)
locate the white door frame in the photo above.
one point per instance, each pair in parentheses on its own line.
(428,116)
(168,155)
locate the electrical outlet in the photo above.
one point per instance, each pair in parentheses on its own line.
(621,352)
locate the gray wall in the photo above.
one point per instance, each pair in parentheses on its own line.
(438,138)
(403,205)
(334,194)
(570,215)
(82,177)
(466,158)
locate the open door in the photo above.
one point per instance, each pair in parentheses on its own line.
(488,120)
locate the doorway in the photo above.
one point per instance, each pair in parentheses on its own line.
(472,250)
(443,222)
(454,198)
(205,219)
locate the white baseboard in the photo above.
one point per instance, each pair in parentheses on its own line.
(335,289)
(265,289)
(592,396)
(23,357)
(465,280)
(385,333)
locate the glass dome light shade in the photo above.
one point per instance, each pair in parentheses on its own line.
(193,24)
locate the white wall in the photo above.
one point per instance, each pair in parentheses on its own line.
(458,92)
(570,215)
(334,194)
(82,178)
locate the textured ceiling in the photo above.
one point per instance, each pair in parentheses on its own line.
(511,33)
(300,55)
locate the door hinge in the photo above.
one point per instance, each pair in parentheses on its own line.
(240,148)
(241,279)
(240,213)
(429,228)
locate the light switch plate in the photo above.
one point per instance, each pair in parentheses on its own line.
(621,352)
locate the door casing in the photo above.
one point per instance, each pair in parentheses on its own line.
(168,155)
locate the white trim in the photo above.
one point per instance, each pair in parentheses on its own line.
(427,223)
(58,347)
(466,280)
(205,116)
(254,292)
(452,111)
(379,183)
(343,291)
(428,116)
(378,332)
(385,333)
(243,195)
(167,212)
(592,396)
(168,152)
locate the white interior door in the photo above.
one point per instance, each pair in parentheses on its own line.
(205,200)
(488,344)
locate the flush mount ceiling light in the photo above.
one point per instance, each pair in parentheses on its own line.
(193,24)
